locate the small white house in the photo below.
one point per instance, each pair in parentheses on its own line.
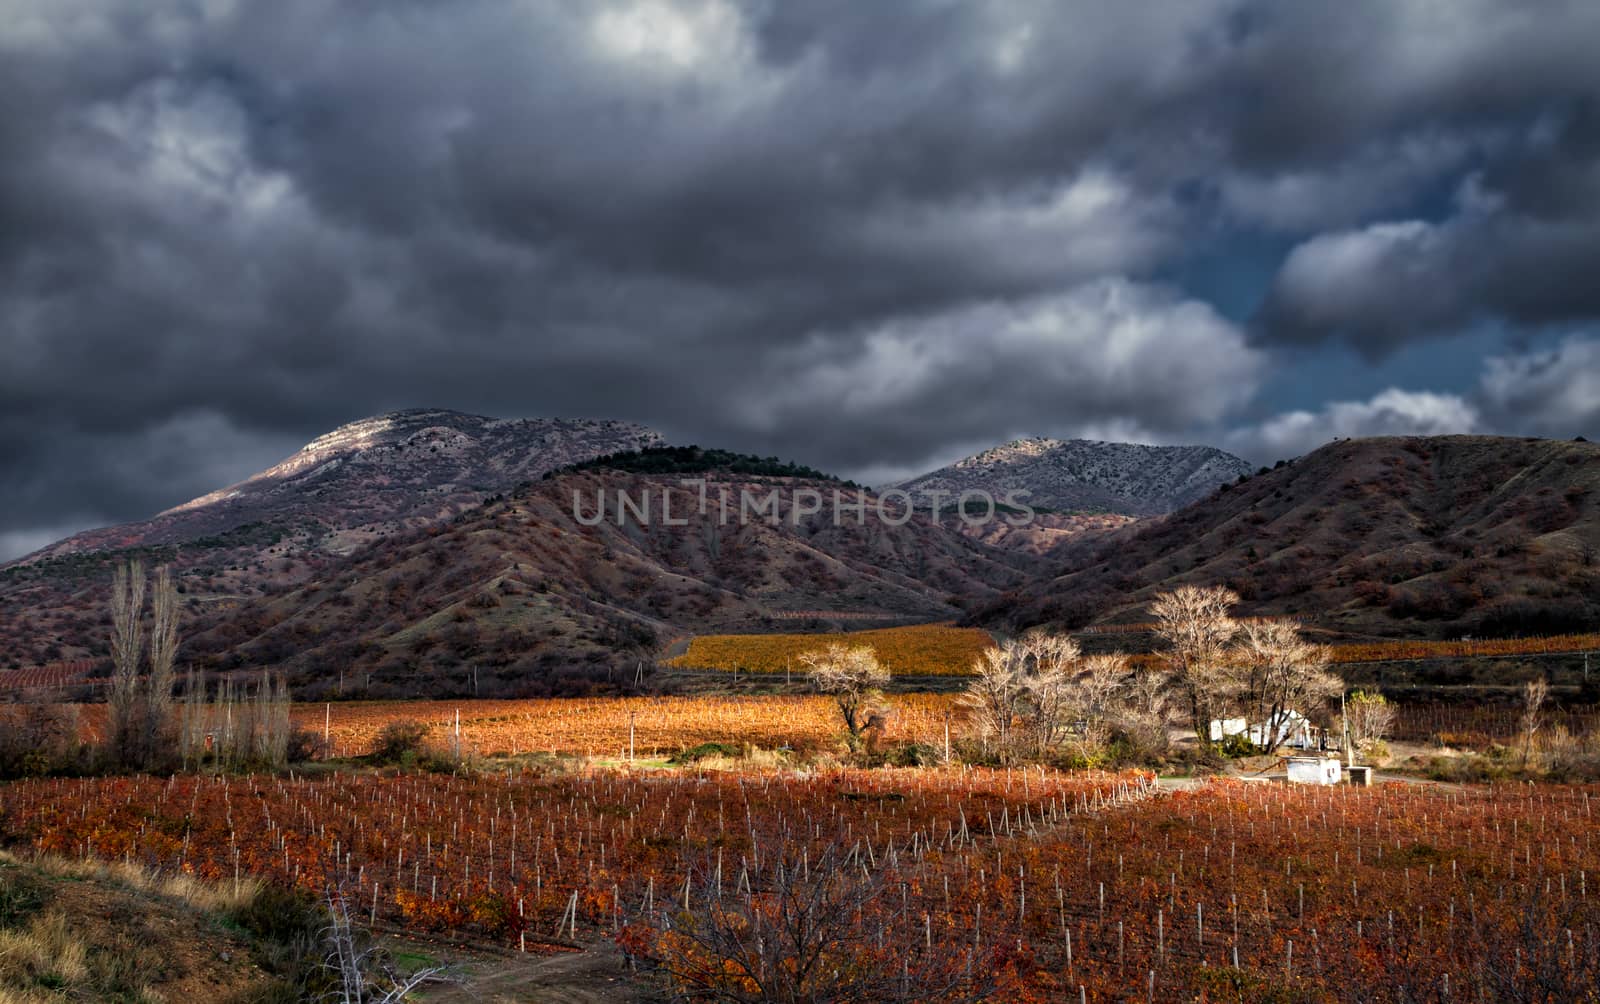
(1290,729)
(1222,728)
(1313,770)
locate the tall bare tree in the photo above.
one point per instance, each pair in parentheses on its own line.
(1102,699)
(163,656)
(993,699)
(1028,694)
(1534,694)
(1197,625)
(127,646)
(855,679)
(1050,689)
(1282,673)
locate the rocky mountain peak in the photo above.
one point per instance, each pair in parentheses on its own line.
(1082,475)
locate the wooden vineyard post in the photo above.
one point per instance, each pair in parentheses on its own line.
(327,731)
(631,715)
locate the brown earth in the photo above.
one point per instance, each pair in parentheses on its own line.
(1415,536)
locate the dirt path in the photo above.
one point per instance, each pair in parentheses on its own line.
(596,975)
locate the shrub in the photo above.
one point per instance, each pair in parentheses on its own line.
(399,742)
(281,915)
(1238,745)
(1079,760)
(1375,752)
(19,898)
(704,751)
(910,755)
(305,744)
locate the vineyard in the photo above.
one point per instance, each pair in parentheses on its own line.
(921,650)
(1475,648)
(1015,886)
(943,650)
(601,727)
(1479,726)
(56,674)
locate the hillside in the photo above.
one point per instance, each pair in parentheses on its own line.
(1441,536)
(1081,475)
(381,473)
(520,597)
(83,930)
(357,484)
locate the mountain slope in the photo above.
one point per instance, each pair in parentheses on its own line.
(521,597)
(397,469)
(1443,535)
(1082,475)
(360,483)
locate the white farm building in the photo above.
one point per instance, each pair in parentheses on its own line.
(1288,729)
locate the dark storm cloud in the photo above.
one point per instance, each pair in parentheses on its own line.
(1518,247)
(868,234)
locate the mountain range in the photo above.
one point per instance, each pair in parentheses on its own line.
(1087,476)
(374,476)
(522,596)
(431,553)
(1437,536)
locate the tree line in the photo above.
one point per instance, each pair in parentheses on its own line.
(152,725)
(1039,696)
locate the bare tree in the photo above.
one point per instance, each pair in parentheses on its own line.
(1283,673)
(193,721)
(246,728)
(1534,694)
(1147,708)
(362,971)
(1030,695)
(1050,691)
(1368,720)
(993,700)
(1100,699)
(127,645)
(163,656)
(1197,626)
(855,678)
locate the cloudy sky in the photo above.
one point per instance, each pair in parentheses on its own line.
(872,237)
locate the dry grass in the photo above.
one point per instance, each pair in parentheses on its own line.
(207,897)
(46,952)
(84,930)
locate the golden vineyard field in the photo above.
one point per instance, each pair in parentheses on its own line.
(599,726)
(1400,651)
(920,650)
(1391,650)
(942,650)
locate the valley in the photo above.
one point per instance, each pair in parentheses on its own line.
(547,718)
